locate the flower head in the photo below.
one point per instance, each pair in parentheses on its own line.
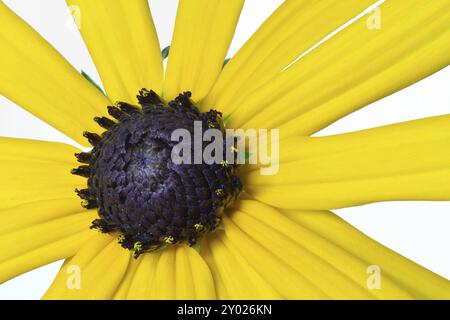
(220,230)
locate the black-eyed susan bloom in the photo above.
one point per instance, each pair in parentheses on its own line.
(151,229)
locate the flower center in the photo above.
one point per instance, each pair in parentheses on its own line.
(140,193)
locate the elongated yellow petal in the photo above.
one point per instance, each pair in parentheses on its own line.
(182,274)
(325,277)
(164,286)
(418,281)
(32,247)
(219,282)
(175,273)
(36,77)
(26,196)
(122,41)
(203,284)
(283,276)
(356,67)
(60,249)
(93,273)
(20,241)
(233,276)
(340,274)
(16,173)
(142,286)
(125,285)
(40,151)
(35,171)
(103,274)
(406,161)
(291,30)
(69,277)
(28,214)
(203,33)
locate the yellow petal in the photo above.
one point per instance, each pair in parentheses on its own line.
(418,281)
(290,31)
(124,287)
(406,161)
(18,242)
(282,275)
(122,41)
(94,272)
(413,42)
(34,171)
(177,272)
(29,214)
(203,32)
(36,77)
(233,276)
(279,242)
(41,151)
(72,266)
(164,286)
(143,282)
(182,274)
(202,280)
(340,274)
(219,283)
(32,247)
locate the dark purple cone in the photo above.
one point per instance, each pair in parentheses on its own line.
(140,192)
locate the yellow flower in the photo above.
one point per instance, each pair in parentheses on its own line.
(279,241)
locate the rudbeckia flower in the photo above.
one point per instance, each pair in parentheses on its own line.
(147,229)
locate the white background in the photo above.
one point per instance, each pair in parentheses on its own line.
(418,230)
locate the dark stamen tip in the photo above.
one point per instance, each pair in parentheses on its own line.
(117,114)
(83,171)
(104,122)
(93,138)
(128,108)
(146,97)
(84,194)
(89,204)
(83,157)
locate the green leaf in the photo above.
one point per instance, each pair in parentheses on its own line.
(165,52)
(88,78)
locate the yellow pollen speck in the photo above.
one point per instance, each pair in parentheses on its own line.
(219,192)
(138,246)
(169,240)
(234,149)
(224,163)
(121,238)
(198,227)
(98,228)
